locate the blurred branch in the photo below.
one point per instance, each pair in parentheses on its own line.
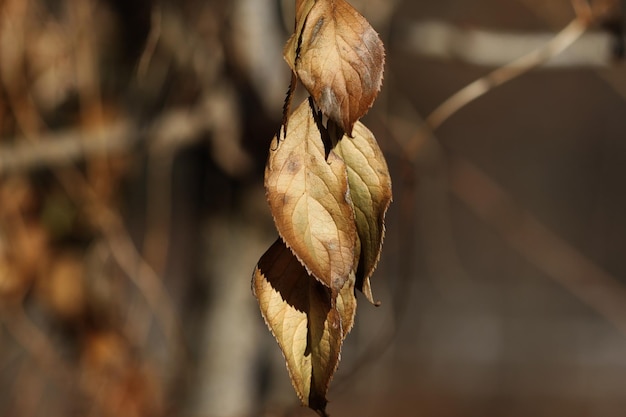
(561,41)
(172,130)
(528,236)
(156,18)
(537,243)
(168,132)
(533,240)
(477,46)
(613,15)
(442,40)
(123,249)
(34,341)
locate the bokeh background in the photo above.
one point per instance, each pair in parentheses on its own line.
(133,137)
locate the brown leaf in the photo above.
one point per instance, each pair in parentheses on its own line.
(303,7)
(307,320)
(338,57)
(345,303)
(309,198)
(370,190)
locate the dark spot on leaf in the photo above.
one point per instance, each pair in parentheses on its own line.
(293,166)
(316,30)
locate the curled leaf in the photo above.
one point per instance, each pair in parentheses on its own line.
(310,200)
(307,319)
(339,58)
(370,190)
(303,7)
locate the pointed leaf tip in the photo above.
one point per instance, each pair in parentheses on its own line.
(307,319)
(370,189)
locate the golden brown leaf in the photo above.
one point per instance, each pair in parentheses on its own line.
(329,242)
(307,320)
(302,10)
(310,201)
(303,7)
(346,305)
(370,190)
(338,57)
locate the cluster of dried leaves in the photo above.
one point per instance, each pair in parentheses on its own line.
(328,188)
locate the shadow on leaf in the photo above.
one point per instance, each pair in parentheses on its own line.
(301,314)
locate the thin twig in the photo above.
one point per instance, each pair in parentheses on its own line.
(127,256)
(156,19)
(527,235)
(472,91)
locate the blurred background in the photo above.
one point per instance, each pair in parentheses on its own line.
(133,137)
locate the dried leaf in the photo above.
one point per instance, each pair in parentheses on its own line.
(370,190)
(345,304)
(329,242)
(303,7)
(310,201)
(338,57)
(307,320)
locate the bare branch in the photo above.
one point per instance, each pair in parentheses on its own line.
(564,39)
(442,40)
(172,130)
(537,243)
